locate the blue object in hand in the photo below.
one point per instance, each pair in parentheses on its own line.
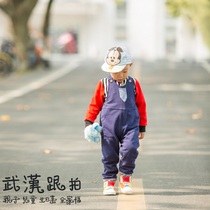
(98,127)
(92,132)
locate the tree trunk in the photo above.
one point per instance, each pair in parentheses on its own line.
(47,20)
(22,42)
(19,12)
(46,23)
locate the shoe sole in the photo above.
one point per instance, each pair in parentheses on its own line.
(109,193)
(127,193)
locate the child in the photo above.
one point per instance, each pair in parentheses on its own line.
(123,119)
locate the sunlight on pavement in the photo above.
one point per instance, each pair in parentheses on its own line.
(182,87)
(134,201)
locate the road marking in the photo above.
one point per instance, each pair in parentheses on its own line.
(205,65)
(135,201)
(39,83)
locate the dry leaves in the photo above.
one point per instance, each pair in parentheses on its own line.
(94,182)
(22,107)
(5,118)
(169,104)
(47,151)
(25,122)
(45,96)
(198,115)
(190,131)
(171,118)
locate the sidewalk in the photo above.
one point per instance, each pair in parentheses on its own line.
(22,82)
(16,80)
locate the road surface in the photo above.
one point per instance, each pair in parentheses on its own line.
(44,156)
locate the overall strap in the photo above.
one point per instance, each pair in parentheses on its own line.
(105,83)
(134,82)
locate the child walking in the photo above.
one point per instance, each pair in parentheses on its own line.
(123,119)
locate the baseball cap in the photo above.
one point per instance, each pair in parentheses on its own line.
(116,59)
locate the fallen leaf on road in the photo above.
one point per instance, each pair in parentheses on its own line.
(22,107)
(198,115)
(25,122)
(178,115)
(190,131)
(171,118)
(44,96)
(200,111)
(19,107)
(5,118)
(169,104)
(47,151)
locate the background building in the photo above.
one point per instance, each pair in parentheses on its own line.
(144,26)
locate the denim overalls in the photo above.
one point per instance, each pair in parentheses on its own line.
(120,129)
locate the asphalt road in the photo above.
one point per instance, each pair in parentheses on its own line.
(173,167)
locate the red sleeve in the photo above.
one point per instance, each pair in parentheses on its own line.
(141,105)
(96,103)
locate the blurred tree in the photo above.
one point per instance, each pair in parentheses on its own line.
(119,2)
(46,24)
(197,11)
(19,12)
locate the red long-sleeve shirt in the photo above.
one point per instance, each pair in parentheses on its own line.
(98,101)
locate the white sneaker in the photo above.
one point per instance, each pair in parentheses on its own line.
(125,184)
(109,188)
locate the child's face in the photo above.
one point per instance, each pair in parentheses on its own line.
(122,75)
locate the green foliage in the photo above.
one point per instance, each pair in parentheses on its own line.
(119,2)
(177,7)
(197,10)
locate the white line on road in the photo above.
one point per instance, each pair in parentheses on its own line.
(39,83)
(205,65)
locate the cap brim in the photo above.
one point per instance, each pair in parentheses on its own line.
(112,69)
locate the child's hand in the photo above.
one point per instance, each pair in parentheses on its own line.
(141,135)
